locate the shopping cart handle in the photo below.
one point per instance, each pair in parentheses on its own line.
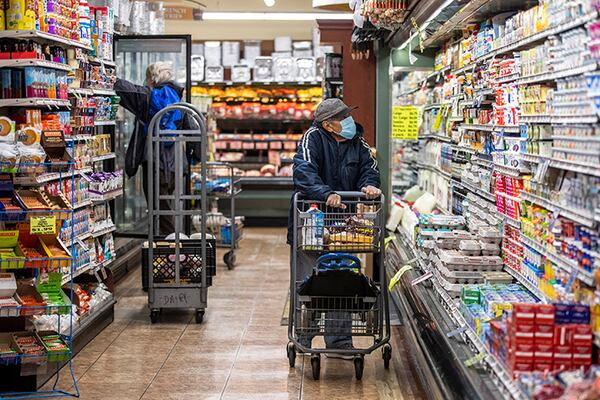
(350,194)
(338,261)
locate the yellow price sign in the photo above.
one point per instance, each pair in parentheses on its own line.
(42,225)
(405,123)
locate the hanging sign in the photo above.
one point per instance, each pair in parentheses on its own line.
(405,123)
(42,225)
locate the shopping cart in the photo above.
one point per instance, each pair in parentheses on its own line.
(356,307)
(179,268)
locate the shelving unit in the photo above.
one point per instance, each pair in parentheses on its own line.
(532,151)
(55,182)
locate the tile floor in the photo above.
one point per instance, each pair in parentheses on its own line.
(237,353)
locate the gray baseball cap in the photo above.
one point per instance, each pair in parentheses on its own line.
(330,108)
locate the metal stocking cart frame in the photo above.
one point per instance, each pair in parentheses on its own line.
(187,266)
(225,171)
(356,229)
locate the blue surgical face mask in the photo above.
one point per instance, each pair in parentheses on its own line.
(348,128)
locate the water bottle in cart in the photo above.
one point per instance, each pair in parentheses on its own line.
(314,227)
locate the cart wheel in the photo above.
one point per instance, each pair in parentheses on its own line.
(199,316)
(291,353)
(229,259)
(359,366)
(387,355)
(315,362)
(154,316)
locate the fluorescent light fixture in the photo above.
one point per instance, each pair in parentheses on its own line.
(274,16)
(269,3)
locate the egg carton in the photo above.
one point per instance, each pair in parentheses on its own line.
(442,221)
(490,249)
(454,260)
(453,290)
(451,239)
(490,234)
(497,277)
(460,277)
(465,267)
(469,247)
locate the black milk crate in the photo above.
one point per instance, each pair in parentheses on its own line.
(190,255)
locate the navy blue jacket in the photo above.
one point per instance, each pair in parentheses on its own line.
(322,166)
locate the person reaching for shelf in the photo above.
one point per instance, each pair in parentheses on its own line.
(144,102)
(332,156)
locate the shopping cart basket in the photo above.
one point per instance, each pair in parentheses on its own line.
(340,300)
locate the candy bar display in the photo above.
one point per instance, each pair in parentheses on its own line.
(103,183)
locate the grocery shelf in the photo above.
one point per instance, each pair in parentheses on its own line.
(579,216)
(99,198)
(575,167)
(82,204)
(529,285)
(256,83)
(104,92)
(34,102)
(104,157)
(533,158)
(100,61)
(79,271)
(528,41)
(104,231)
(105,123)
(478,191)
(436,137)
(42,36)
(563,263)
(550,76)
(433,107)
(515,223)
(88,319)
(78,138)
(34,62)
(508,196)
(506,170)
(45,177)
(502,379)
(80,238)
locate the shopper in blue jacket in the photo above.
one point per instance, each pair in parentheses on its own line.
(332,157)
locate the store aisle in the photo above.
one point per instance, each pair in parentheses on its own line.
(237,353)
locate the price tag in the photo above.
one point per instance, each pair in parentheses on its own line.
(474,360)
(394,281)
(42,225)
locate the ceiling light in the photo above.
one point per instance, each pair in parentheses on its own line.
(261,16)
(269,3)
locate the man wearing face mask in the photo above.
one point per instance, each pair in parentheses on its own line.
(332,156)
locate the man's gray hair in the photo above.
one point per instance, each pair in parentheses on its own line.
(158,73)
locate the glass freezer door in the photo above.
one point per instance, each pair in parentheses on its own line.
(133,54)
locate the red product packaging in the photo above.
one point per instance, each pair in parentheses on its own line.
(544,334)
(543,366)
(562,335)
(582,351)
(544,353)
(516,367)
(544,314)
(560,365)
(523,334)
(562,354)
(581,335)
(524,313)
(522,353)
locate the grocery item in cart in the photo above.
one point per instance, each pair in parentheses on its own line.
(313,228)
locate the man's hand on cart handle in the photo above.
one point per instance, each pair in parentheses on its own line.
(335,200)
(371,191)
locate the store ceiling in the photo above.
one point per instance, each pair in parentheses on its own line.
(248,5)
(240,30)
